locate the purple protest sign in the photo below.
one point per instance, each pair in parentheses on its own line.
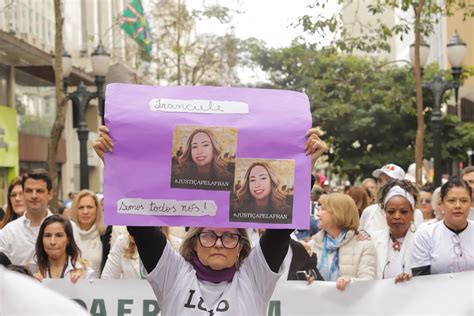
(207,156)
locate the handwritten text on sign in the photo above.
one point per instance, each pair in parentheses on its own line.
(198,106)
(166,207)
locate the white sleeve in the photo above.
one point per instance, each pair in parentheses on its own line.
(263,279)
(364,217)
(418,220)
(113,267)
(5,244)
(75,232)
(165,274)
(422,248)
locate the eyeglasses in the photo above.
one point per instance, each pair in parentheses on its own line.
(457,245)
(425,201)
(228,240)
(14,195)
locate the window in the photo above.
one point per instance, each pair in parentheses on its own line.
(35,104)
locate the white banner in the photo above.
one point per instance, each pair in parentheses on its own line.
(446,294)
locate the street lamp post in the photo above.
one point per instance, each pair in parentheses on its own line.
(456,51)
(80,98)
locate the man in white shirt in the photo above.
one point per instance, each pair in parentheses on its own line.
(373,218)
(468,176)
(18,238)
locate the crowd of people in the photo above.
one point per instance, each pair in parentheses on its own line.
(386,228)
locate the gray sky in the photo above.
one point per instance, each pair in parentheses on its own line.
(268,20)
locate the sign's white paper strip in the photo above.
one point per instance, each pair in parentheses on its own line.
(198,106)
(166,207)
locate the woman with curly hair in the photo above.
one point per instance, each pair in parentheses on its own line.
(201,158)
(394,245)
(261,193)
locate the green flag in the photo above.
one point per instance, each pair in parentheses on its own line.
(133,21)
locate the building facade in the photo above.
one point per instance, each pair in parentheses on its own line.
(27,30)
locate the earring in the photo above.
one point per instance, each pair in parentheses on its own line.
(412,227)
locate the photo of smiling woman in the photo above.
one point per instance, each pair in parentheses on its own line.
(266,193)
(203,157)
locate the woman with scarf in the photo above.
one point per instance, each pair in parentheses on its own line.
(395,244)
(216,270)
(342,257)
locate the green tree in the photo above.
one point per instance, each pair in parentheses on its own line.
(372,38)
(366,107)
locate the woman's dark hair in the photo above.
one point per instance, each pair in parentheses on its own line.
(72,250)
(428,188)
(454,182)
(10,214)
(404,184)
(4,260)
(20,269)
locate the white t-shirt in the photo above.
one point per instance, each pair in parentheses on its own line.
(179,292)
(70,269)
(18,241)
(470,216)
(374,220)
(435,246)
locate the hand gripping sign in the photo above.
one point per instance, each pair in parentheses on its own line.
(207,156)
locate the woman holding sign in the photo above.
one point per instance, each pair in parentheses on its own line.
(216,270)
